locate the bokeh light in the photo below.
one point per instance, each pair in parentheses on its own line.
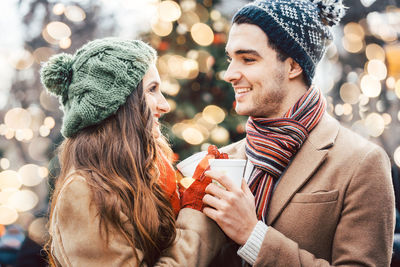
(30,175)
(8,215)
(21,59)
(17,118)
(161,28)
(202,34)
(58,30)
(396,156)
(65,43)
(169,11)
(391,82)
(213,114)
(58,9)
(353,39)
(48,38)
(220,135)
(374,51)
(374,124)
(172,104)
(192,136)
(75,13)
(4,163)
(215,14)
(48,102)
(377,69)
(188,19)
(5,194)
(10,179)
(49,122)
(349,93)
(170,86)
(44,131)
(42,54)
(397,88)
(43,172)
(38,231)
(23,200)
(387,118)
(370,86)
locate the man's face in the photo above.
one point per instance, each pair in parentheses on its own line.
(256,74)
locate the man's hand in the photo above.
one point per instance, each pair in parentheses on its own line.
(232,209)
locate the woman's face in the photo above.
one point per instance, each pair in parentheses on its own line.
(154,98)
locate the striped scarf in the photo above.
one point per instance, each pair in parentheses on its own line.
(272,143)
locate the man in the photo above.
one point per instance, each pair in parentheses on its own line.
(318,194)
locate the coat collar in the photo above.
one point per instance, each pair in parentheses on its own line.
(310,156)
(307,160)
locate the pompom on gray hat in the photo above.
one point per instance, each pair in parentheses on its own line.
(92,84)
(300,28)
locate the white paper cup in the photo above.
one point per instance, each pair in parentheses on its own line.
(188,165)
(231,168)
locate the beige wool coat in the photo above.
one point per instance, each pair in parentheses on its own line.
(334,205)
(77,240)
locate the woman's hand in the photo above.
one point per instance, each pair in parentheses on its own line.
(192,197)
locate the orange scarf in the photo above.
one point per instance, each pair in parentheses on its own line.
(168,182)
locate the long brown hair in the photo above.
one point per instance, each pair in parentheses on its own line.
(118,159)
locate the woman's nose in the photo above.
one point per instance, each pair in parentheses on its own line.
(163,105)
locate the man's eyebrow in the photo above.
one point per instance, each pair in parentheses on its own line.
(245,51)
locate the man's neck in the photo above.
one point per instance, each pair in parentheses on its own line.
(296,88)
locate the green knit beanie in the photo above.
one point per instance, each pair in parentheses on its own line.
(92,84)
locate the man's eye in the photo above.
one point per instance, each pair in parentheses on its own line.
(228,59)
(247,60)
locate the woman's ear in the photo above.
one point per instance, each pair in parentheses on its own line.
(294,69)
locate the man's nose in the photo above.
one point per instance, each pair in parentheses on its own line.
(231,74)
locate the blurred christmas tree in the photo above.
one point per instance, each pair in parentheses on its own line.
(190,37)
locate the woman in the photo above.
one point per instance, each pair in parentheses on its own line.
(115,200)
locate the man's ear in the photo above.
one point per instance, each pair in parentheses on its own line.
(294,69)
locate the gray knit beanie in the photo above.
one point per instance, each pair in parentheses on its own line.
(300,28)
(92,84)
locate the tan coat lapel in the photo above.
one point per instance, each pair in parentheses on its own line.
(311,155)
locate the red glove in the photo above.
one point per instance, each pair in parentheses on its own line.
(192,197)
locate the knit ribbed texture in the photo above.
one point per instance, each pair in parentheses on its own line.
(250,250)
(300,28)
(96,81)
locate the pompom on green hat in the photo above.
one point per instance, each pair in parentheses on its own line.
(92,84)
